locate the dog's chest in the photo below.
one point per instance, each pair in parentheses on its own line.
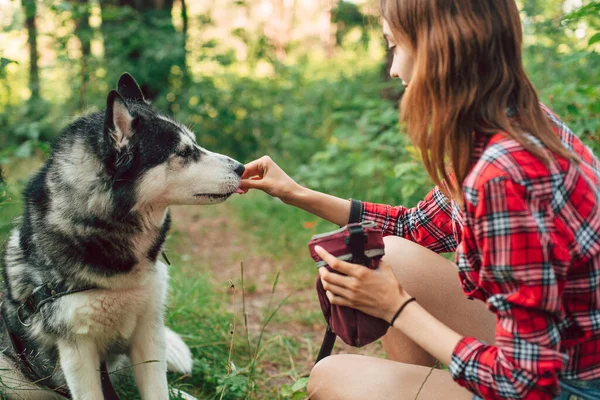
(110,316)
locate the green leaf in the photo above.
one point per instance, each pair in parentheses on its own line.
(25,150)
(300,384)
(594,39)
(573,110)
(403,168)
(286,391)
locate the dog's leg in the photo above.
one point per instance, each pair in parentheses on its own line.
(80,363)
(148,359)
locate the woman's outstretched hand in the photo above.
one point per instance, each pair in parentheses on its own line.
(265,175)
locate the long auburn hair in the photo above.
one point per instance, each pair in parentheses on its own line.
(468,71)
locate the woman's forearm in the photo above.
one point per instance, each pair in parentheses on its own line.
(330,208)
(428,332)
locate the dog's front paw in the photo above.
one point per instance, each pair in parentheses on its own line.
(179,356)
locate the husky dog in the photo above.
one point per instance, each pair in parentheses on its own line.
(83,284)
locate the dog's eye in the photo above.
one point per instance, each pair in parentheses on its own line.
(185,153)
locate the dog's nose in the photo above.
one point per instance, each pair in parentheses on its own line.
(240,169)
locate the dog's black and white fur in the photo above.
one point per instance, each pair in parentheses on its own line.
(96,215)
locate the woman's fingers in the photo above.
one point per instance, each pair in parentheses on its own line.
(347,282)
(338,290)
(253,168)
(335,283)
(337,300)
(338,265)
(252,184)
(256,167)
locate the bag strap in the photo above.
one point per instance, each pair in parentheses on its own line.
(357,246)
(327,345)
(108,389)
(356,242)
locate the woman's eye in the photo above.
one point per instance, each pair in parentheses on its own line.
(392,47)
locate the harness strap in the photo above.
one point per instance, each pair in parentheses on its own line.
(43,294)
(23,363)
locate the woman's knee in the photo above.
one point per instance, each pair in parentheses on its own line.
(321,380)
(408,256)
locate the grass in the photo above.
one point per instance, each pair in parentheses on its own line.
(282,232)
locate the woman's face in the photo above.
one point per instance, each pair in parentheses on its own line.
(402,66)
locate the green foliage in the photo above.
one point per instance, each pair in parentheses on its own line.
(347,17)
(146,43)
(323,120)
(564,65)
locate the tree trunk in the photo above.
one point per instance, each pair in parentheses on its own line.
(284,10)
(184,18)
(84,34)
(328,27)
(30,8)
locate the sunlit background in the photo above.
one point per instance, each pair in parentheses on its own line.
(304,81)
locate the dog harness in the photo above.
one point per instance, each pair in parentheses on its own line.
(40,296)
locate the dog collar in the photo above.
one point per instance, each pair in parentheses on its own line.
(46,293)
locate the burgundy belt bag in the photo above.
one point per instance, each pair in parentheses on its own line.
(359,243)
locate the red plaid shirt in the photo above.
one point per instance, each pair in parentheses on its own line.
(528,244)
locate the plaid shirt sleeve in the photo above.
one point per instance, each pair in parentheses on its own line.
(434,223)
(509,238)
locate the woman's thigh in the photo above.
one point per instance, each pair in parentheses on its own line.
(434,281)
(353,377)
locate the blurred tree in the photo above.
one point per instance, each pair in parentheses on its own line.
(184,18)
(81,17)
(328,36)
(30,11)
(139,36)
(284,22)
(347,16)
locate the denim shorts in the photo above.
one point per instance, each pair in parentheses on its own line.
(574,390)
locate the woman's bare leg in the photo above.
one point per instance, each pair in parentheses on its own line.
(434,281)
(353,377)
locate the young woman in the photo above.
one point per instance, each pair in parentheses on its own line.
(517,197)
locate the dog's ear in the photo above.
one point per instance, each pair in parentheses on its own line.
(129,89)
(118,120)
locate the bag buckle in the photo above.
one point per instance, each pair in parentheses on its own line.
(356,241)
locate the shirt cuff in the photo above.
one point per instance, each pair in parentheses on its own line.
(356,208)
(461,355)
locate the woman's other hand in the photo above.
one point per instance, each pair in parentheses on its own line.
(265,175)
(374,292)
